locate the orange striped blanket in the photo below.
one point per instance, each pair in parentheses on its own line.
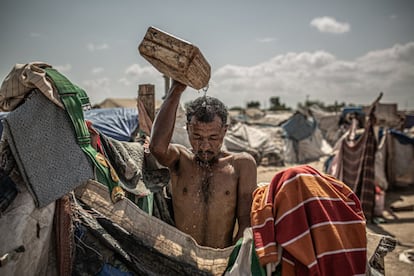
(316,221)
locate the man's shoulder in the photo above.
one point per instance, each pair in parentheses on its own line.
(242,157)
(181,147)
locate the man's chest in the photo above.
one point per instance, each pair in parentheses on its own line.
(206,185)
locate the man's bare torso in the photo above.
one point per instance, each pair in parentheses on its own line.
(205,199)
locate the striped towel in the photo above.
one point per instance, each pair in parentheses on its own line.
(314,220)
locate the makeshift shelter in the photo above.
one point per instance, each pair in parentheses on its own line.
(52,227)
(272,119)
(394,160)
(328,123)
(117,102)
(387,115)
(119,123)
(257,141)
(278,138)
(408,121)
(304,141)
(51,230)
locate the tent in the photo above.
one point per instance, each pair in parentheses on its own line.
(394,160)
(304,141)
(328,123)
(261,143)
(117,102)
(119,123)
(279,138)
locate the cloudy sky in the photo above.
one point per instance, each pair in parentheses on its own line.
(328,50)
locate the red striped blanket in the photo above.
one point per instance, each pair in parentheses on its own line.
(315,219)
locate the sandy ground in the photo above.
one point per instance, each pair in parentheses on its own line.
(398,224)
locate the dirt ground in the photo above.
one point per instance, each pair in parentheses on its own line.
(397,224)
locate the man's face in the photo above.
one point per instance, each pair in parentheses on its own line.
(206,138)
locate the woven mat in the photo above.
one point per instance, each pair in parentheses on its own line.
(42,140)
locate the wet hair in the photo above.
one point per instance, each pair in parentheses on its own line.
(205,108)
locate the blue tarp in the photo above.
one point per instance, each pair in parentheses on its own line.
(402,137)
(409,121)
(299,126)
(118,123)
(357,110)
(352,109)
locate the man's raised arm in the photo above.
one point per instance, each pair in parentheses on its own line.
(163,127)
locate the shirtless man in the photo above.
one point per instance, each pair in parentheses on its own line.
(211,188)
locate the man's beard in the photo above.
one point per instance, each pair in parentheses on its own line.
(206,158)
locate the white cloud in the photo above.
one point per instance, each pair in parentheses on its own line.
(330,25)
(291,77)
(141,74)
(100,88)
(322,76)
(266,39)
(63,68)
(135,75)
(137,70)
(101,83)
(97,70)
(125,81)
(97,47)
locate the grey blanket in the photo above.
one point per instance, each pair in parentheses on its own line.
(140,174)
(130,163)
(43,143)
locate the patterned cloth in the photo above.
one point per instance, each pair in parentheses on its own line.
(356,167)
(21,80)
(310,223)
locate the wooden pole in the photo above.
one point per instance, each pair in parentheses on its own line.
(146,93)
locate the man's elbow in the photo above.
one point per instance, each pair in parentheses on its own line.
(157,150)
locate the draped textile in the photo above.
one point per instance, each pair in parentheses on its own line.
(355,161)
(308,221)
(355,166)
(358,168)
(21,80)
